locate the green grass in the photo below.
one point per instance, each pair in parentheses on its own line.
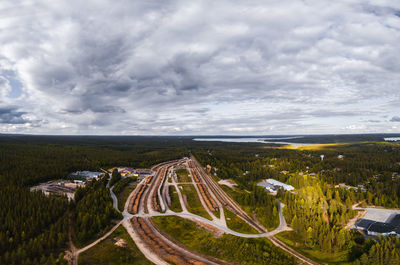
(264,216)
(289,238)
(216,178)
(230,248)
(231,192)
(264,220)
(175,203)
(183,175)
(106,252)
(194,204)
(123,196)
(237,224)
(217,213)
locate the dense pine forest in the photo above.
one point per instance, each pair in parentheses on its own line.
(34,227)
(93,212)
(319,210)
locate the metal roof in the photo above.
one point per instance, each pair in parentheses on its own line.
(364,223)
(394,220)
(379,227)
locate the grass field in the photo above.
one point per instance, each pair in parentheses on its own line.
(175,204)
(193,201)
(183,175)
(106,252)
(263,216)
(237,224)
(225,247)
(288,237)
(123,196)
(217,213)
(236,192)
(231,192)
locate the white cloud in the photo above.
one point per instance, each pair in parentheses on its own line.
(209,67)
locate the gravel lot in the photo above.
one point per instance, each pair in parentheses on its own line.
(379,215)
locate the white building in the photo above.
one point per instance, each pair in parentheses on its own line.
(280,184)
(273,185)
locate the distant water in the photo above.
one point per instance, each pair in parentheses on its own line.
(250,140)
(392,139)
(232,140)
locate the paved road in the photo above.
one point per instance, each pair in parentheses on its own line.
(100,239)
(188,215)
(216,223)
(114,198)
(76,252)
(181,201)
(221,220)
(282,222)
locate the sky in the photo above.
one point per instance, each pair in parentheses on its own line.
(102,67)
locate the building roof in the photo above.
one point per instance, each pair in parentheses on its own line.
(394,220)
(392,225)
(379,227)
(364,223)
(268,186)
(280,184)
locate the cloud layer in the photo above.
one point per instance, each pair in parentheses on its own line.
(203,67)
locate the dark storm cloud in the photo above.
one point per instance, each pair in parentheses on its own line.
(190,67)
(10,115)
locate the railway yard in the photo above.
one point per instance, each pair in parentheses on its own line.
(151,198)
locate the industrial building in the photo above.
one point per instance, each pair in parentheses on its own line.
(131,172)
(273,185)
(87,174)
(373,228)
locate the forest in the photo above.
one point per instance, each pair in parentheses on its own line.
(35,227)
(93,211)
(319,209)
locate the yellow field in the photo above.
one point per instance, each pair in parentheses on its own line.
(310,147)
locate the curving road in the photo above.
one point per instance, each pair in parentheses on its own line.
(217,223)
(75,252)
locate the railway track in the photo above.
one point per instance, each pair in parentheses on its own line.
(229,203)
(224,198)
(146,195)
(204,191)
(283,246)
(163,247)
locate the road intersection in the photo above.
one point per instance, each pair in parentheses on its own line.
(146,235)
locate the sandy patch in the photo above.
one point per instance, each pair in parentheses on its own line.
(227,182)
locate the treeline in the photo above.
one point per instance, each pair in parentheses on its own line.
(33,227)
(93,212)
(318,220)
(121,184)
(28,164)
(375,165)
(25,161)
(115,177)
(258,201)
(383,251)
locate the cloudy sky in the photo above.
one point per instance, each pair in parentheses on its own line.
(199,67)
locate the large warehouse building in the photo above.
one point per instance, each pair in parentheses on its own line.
(273,185)
(373,228)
